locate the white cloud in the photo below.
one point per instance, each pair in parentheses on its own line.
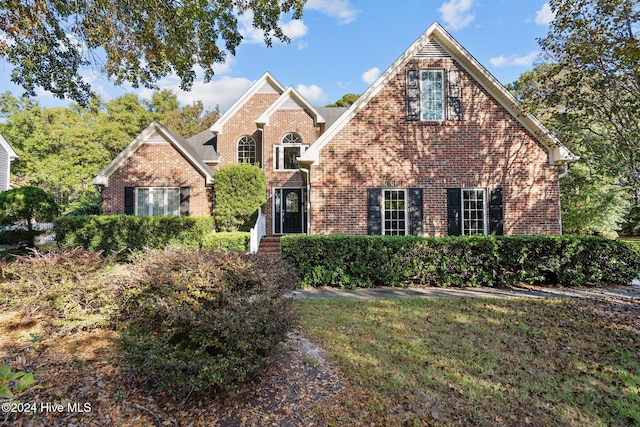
(545,15)
(314,94)
(514,60)
(340,9)
(293,29)
(457,13)
(371,75)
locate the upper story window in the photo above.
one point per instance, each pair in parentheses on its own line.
(285,155)
(247,150)
(433,95)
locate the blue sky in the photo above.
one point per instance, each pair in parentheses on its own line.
(341,46)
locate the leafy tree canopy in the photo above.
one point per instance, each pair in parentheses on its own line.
(24,205)
(62,149)
(346,101)
(49,42)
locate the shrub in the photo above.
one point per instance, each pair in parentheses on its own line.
(124,234)
(192,321)
(69,286)
(240,190)
(364,261)
(226,241)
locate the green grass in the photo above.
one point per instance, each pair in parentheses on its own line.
(478,362)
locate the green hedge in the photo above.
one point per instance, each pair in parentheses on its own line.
(227,241)
(125,234)
(367,261)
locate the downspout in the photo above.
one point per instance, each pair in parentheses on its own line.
(565,166)
(306,171)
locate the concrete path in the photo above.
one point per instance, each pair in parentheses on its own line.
(631,291)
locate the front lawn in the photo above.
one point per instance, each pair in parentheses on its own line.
(480,362)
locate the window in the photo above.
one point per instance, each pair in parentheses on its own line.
(157,201)
(288,151)
(473,212)
(432,95)
(247,150)
(394,213)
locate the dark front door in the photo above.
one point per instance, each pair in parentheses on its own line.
(292,213)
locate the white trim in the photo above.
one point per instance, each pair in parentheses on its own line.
(12,154)
(557,153)
(266,78)
(263,120)
(103,176)
(442,94)
(152,191)
(406,209)
(303,213)
(485,208)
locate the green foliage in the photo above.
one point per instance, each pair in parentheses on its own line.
(365,261)
(227,241)
(23,383)
(22,206)
(346,101)
(124,234)
(143,41)
(68,286)
(239,191)
(62,149)
(590,205)
(194,320)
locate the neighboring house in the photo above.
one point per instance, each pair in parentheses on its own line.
(7,155)
(435,146)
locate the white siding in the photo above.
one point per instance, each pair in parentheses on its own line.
(432,49)
(4,169)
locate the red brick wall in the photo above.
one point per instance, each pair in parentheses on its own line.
(157,165)
(487,149)
(280,123)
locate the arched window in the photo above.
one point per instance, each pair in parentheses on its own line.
(247,150)
(286,154)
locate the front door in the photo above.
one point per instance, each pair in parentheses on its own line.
(292,210)
(289,211)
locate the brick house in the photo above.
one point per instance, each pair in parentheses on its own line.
(436,146)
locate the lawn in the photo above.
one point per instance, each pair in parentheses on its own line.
(479,362)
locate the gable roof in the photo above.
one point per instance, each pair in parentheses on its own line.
(4,144)
(178,142)
(290,99)
(205,145)
(445,43)
(266,83)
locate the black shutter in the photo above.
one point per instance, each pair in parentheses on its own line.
(415,211)
(374,211)
(496,221)
(184,201)
(454,95)
(454,211)
(128,201)
(413,94)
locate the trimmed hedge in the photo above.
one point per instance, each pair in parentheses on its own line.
(125,234)
(227,241)
(367,261)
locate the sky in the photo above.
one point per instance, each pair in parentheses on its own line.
(342,46)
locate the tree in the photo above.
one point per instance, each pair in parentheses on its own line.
(346,101)
(26,205)
(240,190)
(50,42)
(592,84)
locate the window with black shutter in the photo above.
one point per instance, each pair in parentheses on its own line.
(413,94)
(184,201)
(374,211)
(496,220)
(129,202)
(454,211)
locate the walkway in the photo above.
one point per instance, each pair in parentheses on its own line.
(631,291)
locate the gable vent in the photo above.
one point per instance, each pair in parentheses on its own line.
(432,49)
